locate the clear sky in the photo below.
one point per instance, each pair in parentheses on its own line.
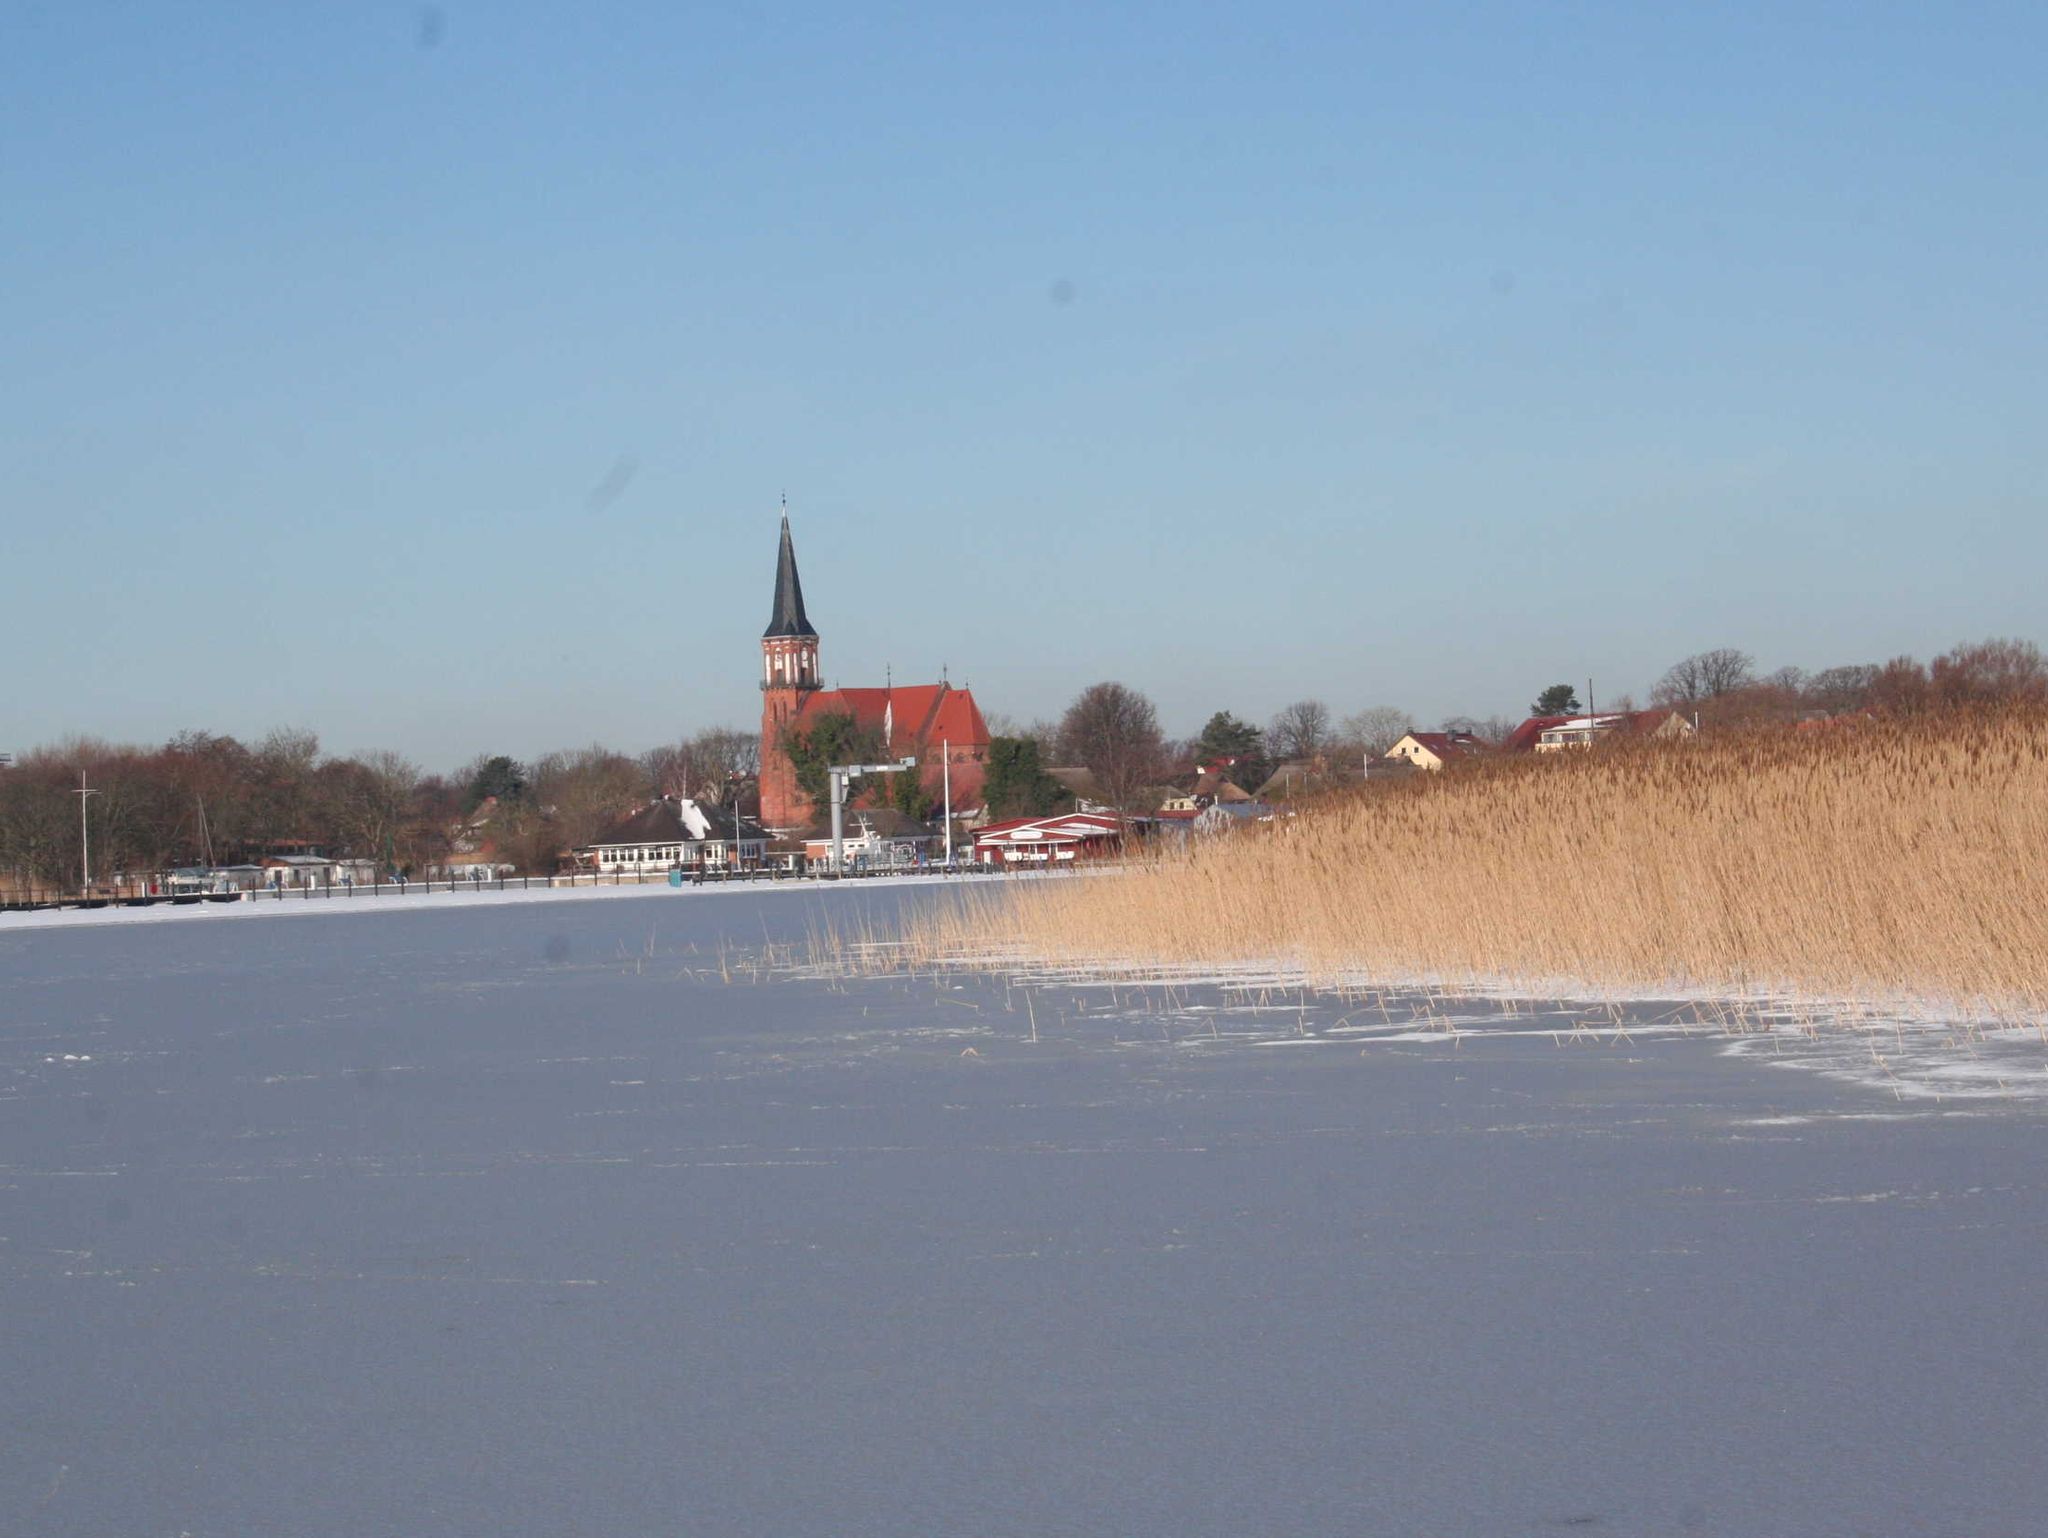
(428,376)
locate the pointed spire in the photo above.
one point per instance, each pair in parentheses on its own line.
(789,618)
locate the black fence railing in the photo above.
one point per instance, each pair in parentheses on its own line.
(456,886)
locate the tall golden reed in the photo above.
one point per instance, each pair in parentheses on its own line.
(1881,860)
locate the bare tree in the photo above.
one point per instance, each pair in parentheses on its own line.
(436,819)
(1778,698)
(1301,730)
(722,753)
(283,806)
(1841,689)
(1114,732)
(667,769)
(1999,670)
(1705,676)
(1900,687)
(366,802)
(1041,731)
(703,765)
(580,791)
(1377,729)
(1786,680)
(38,826)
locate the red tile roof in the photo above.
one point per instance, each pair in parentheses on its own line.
(1523,738)
(1059,828)
(918,714)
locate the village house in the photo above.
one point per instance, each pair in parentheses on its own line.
(1564,733)
(1304,776)
(473,852)
(1060,839)
(1080,783)
(1169,823)
(1433,750)
(1212,783)
(1223,816)
(677,833)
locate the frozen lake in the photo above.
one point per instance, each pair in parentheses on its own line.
(570,1218)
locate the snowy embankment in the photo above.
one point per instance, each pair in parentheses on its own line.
(441,900)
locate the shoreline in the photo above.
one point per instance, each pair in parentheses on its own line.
(443,901)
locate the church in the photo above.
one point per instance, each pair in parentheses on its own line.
(934,722)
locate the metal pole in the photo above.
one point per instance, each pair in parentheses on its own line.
(838,819)
(946,747)
(84,839)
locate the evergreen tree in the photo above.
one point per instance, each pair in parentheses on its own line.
(908,795)
(1227,737)
(1557,700)
(1016,784)
(502,777)
(829,740)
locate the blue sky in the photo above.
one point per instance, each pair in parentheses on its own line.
(429,376)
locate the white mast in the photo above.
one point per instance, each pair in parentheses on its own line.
(84,840)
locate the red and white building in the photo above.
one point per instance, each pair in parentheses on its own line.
(1057,840)
(937,724)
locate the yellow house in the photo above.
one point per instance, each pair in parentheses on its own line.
(1432,750)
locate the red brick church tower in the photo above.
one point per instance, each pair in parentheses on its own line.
(939,725)
(789,674)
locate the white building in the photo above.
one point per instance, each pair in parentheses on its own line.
(677,833)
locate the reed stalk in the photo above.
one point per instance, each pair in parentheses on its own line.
(1903,859)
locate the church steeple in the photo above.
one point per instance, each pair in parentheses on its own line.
(789,618)
(790,677)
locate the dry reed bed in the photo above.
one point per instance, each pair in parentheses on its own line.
(1895,861)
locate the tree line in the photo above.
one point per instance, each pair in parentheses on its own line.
(1113,730)
(207,799)
(204,798)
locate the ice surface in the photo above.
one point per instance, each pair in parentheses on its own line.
(597,1217)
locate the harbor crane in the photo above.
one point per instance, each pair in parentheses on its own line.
(840,774)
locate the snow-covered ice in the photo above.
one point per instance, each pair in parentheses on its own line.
(613,1216)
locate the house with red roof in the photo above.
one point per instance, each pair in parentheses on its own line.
(1556,734)
(1059,839)
(939,725)
(1523,739)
